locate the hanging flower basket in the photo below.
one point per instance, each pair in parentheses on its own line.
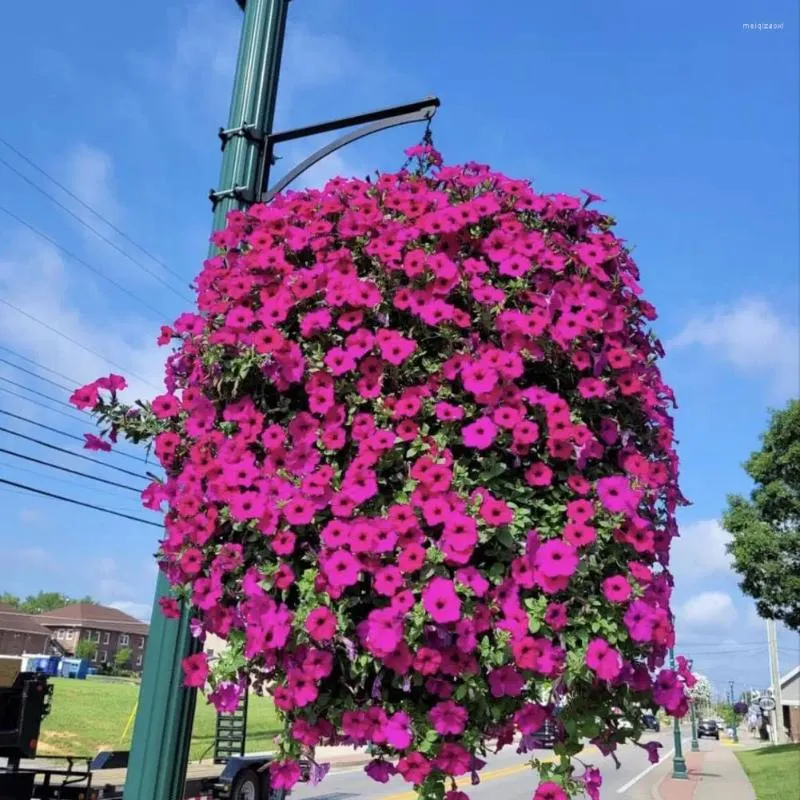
(421,475)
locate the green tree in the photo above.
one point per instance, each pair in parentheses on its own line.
(86,649)
(8,599)
(765,529)
(122,658)
(47,601)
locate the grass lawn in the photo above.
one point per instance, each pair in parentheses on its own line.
(88,716)
(773,771)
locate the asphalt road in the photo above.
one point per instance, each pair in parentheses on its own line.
(505,775)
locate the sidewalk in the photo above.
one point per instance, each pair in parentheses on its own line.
(713,773)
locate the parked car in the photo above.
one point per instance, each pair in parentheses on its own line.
(708,727)
(651,723)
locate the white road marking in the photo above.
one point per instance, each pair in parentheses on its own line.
(648,770)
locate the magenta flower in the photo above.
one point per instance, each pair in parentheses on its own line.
(448,718)
(441,601)
(616,589)
(549,791)
(556,558)
(284,774)
(603,659)
(479,434)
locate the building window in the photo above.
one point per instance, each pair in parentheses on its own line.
(59,634)
(106,637)
(141,642)
(124,639)
(104,656)
(88,634)
(138,661)
(97,636)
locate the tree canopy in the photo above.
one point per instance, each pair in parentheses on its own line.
(41,602)
(765,547)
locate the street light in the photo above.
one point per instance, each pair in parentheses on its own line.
(679,769)
(695,743)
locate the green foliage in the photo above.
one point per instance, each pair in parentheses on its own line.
(766,528)
(86,649)
(41,602)
(122,657)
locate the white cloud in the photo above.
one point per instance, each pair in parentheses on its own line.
(33,277)
(30,516)
(699,550)
(205,47)
(752,338)
(708,610)
(141,611)
(90,177)
(31,557)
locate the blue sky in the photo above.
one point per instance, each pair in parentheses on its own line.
(685,122)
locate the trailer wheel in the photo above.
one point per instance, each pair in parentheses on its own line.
(248,786)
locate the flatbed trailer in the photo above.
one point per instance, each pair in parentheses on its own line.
(25,701)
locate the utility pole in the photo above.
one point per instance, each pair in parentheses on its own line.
(162,732)
(775,679)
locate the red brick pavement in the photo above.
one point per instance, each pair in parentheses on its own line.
(671,789)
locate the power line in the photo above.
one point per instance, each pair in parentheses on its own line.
(67,481)
(65,433)
(91,228)
(81,261)
(74,454)
(40,394)
(76,342)
(78,502)
(36,375)
(40,365)
(89,208)
(40,405)
(67,469)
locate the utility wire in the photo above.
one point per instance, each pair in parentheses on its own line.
(89,208)
(67,469)
(40,365)
(91,228)
(78,502)
(81,261)
(65,433)
(13,468)
(76,342)
(40,394)
(41,405)
(36,375)
(75,455)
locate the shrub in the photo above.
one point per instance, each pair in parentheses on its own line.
(420,473)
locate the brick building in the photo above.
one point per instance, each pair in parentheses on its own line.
(22,633)
(110,629)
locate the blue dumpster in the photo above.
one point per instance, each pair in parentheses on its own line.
(74,668)
(46,664)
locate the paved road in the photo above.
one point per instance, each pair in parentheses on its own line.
(505,775)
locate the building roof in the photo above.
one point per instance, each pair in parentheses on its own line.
(790,676)
(12,619)
(86,615)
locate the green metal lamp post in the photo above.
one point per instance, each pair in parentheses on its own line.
(162,732)
(679,769)
(695,743)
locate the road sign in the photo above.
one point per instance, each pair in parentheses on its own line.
(767,704)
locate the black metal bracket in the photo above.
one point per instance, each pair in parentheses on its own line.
(241,193)
(247,130)
(371,122)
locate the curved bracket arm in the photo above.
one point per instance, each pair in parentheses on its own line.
(424,113)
